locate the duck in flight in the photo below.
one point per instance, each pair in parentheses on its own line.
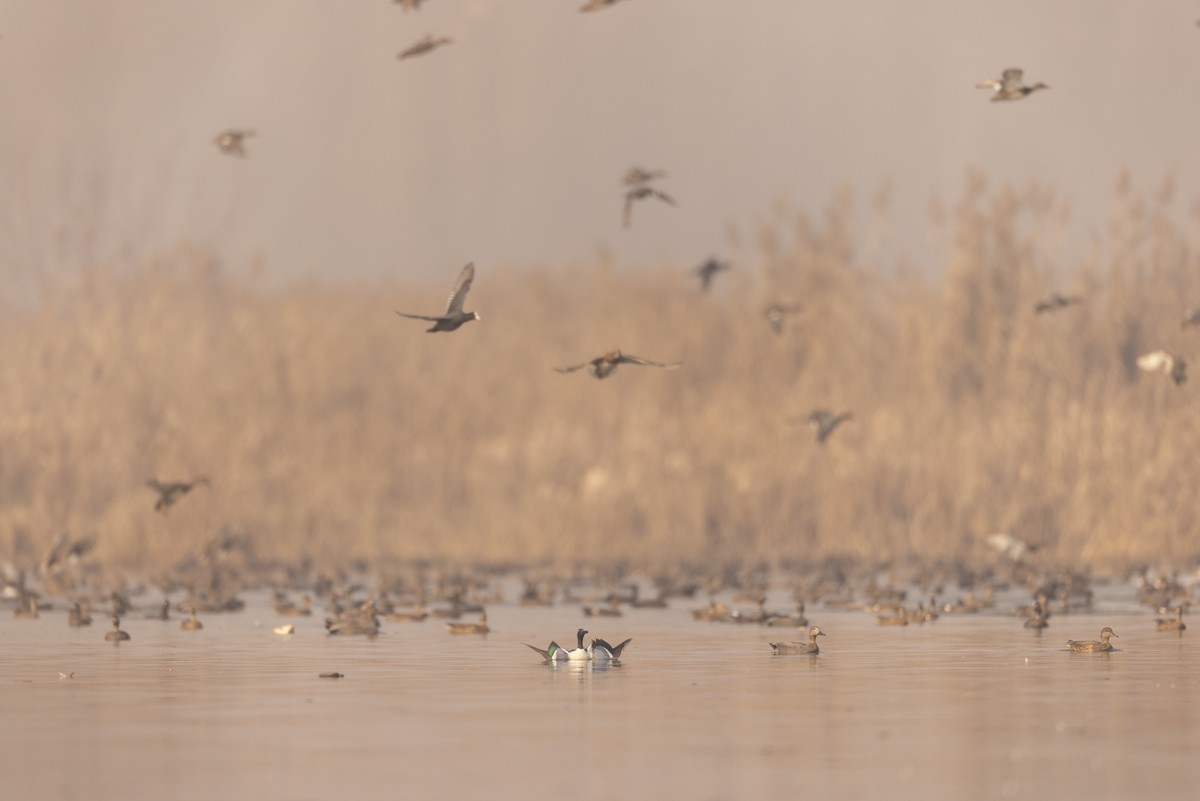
(641,193)
(823,422)
(232,141)
(424,45)
(707,271)
(169,492)
(1009,86)
(454,317)
(605,365)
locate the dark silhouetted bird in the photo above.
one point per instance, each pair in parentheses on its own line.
(424,45)
(707,271)
(641,193)
(824,422)
(606,365)
(597,5)
(454,317)
(1054,301)
(169,492)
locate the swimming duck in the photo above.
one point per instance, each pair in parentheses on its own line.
(470,628)
(605,365)
(1161,361)
(1054,301)
(358,620)
(80,614)
(778,619)
(708,270)
(809,647)
(898,619)
(287,608)
(414,615)
(190,623)
(232,141)
(169,492)
(612,610)
(454,317)
(162,613)
(641,193)
(116,635)
(1169,624)
(1093,645)
(424,45)
(603,652)
(823,422)
(1009,86)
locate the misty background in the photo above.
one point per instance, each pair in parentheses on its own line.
(507,147)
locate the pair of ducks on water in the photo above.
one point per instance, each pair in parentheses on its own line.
(597,650)
(190,623)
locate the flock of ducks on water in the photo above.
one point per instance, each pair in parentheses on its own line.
(417,594)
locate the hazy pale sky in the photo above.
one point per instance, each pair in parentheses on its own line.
(507,147)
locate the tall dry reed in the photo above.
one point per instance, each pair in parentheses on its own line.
(333,429)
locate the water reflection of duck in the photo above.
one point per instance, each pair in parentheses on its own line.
(1093,645)
(809,647)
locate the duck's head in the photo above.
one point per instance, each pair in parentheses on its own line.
(815,631)
(1107,632)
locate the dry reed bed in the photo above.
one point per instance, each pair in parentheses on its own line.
(333,429)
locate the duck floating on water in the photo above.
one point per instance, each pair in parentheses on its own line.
(809,647)
(1093,645)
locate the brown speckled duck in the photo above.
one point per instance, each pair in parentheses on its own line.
(1093,645)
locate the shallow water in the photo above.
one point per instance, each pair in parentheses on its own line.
(971,706)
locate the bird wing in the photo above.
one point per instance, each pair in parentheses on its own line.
(1011,79)
(545,652)
(625,358)
(572,368)
(461,287)
(420,317)
(663,196)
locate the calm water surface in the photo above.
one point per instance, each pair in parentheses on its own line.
(967,707)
